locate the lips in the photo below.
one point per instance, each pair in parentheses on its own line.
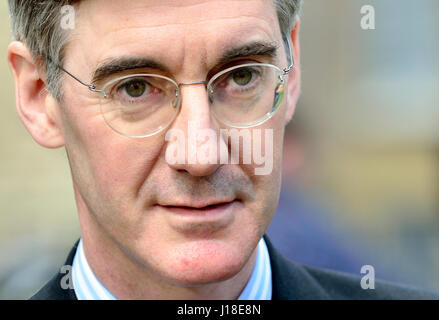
(201,221)
(199,208)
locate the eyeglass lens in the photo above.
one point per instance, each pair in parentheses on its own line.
(142,105)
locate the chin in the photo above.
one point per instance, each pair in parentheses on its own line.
(202,263)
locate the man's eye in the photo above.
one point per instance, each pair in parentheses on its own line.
(242,77)
(135,89)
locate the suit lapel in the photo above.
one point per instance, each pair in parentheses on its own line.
(53,290)
(291,281)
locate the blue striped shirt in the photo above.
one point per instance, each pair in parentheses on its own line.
(88,287)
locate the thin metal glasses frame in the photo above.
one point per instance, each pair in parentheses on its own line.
(93,88)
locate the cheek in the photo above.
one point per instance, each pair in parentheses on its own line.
(121,166)
(268,185)
(113,165)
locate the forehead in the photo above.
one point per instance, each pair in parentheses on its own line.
(174,30)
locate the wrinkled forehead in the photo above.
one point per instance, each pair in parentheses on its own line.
(176,31)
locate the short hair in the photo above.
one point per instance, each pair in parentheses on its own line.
(36,24)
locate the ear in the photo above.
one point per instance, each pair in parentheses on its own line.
(36,107)
(293,82)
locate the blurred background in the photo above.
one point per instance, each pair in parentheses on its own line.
(361,161)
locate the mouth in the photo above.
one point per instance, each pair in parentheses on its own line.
(205,220)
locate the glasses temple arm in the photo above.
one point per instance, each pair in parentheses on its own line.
(90,86)
(290,57)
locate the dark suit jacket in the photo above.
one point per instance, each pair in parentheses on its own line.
(291,281)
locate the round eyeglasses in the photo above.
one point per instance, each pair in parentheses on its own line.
(141,105)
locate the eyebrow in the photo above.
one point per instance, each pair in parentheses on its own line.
(116,65)
(257,48)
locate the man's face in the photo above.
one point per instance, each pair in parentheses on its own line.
(126,191)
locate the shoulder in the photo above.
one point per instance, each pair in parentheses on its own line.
(339,285)
(53,289)
(293,281)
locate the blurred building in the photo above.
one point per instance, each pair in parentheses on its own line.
(369,106)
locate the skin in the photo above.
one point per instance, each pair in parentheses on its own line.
(138,248)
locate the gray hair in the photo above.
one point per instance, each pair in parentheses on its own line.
(36,23)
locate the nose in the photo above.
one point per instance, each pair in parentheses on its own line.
(194,141)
